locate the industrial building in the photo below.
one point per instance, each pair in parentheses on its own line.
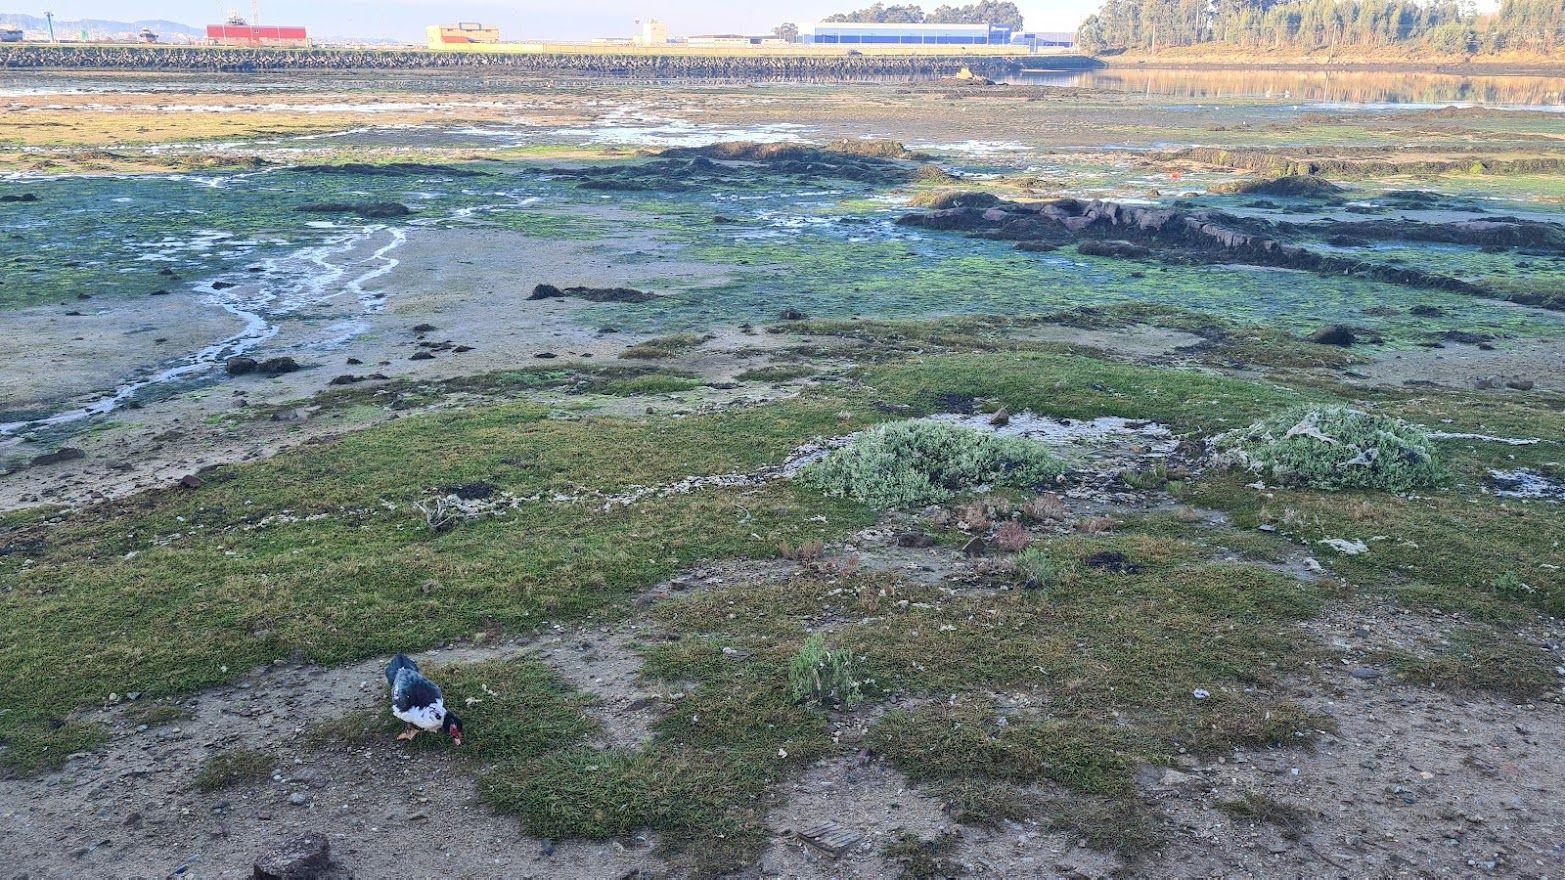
(241,34)
(653,33)
(1044,39)
(732,41)
(461,34)
(852,33)
(10,35)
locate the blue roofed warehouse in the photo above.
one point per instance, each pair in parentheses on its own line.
(851,33)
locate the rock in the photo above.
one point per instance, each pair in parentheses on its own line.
(1293,186)
(366,210)
(223,285)
(1172,778)
(345,379)
(791,315)
(975,547)
(1519,384)
(277,366)
(190,481)
(239,366)
(546,355)
(24,197)
(307,857)
(1001,418)
(1366,673)
(593,294)
(63,454)
(298,799)
(353,362)
(1123,250)
(1335,334)
(424,328)
(421,356)
(915,539)
(158,292)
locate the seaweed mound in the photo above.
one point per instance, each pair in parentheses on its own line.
(918,462)
(1333,448)
(1298,186)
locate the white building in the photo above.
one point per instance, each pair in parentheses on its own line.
(653,33)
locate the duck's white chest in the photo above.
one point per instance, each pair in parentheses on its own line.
(423,717)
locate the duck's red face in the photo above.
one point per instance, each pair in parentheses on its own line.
(456,733)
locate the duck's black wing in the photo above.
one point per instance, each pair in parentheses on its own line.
(397,664)
(413,691)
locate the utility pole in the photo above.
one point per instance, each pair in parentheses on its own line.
(255,13)
(49,17)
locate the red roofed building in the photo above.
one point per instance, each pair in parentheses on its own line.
(256,35)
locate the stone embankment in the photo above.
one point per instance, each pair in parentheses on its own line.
(635,65)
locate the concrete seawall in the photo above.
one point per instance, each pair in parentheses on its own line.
(638,65)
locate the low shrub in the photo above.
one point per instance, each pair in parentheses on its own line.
(921,462)
(1036,569)
(824,677)
(1334,448)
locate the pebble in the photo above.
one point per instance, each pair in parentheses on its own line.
(1367,673)
(298,799)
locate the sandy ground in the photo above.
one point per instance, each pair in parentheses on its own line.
(1540,361)
(52,355)
(472,285)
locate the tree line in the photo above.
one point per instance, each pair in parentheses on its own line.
(1005,14)
(1446,26)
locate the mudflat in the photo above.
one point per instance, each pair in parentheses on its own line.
(1148,473)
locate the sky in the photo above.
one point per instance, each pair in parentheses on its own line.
(527,20)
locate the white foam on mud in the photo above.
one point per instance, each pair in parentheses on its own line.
(976,147)
(1099,432)
(1485,438)
(1526,485)
(634,124)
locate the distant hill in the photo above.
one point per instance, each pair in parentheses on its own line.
(97,27)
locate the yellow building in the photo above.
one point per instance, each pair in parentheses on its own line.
(460,34)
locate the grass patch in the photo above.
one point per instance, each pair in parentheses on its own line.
(154,714)
(319,554)
(651,383)
(1073,386)
(972,741)
(233,768)
(1255,808)
(920,859)
(1478,660)
(665,346)
(776,373)
(1445,550)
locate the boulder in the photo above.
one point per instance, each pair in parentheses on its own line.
(239,366)
(63,454)
(277,366)
(1123,250)
(1335,334)
(306,857)
(1292,186)
(593,294)
(366,210)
